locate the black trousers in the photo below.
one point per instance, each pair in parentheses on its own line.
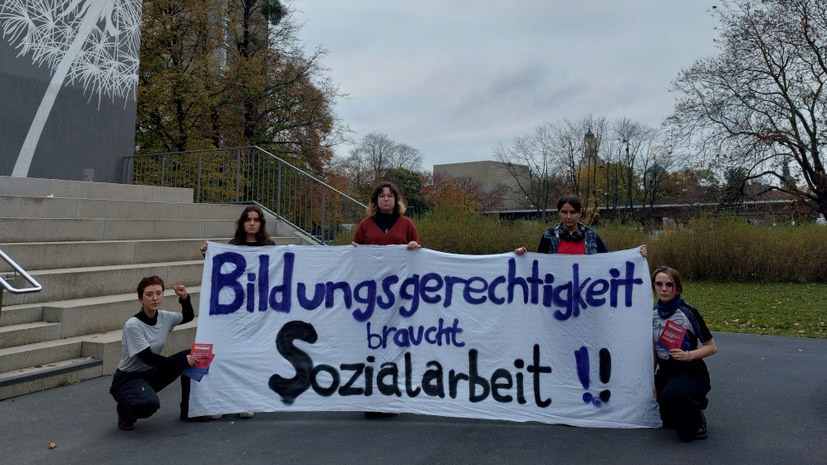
(136,392)
(682,398)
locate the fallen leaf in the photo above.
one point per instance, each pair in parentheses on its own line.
(52,445)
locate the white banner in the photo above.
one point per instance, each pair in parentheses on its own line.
(549,338)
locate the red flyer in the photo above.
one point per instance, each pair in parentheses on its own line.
(672,335)
(202,353)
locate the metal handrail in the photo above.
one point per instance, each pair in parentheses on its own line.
(8,287)
(251,175)
(37,287)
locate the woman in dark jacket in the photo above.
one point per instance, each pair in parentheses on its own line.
(682,340)
(570,236)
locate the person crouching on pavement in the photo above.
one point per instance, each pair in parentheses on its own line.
(681,376)
(142,371)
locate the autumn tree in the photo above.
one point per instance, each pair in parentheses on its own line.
(690,186)
(175,77)
(232,73)
(276,97)
(761,101)
(411,184)
(450,194)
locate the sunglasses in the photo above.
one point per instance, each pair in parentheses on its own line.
(662,284)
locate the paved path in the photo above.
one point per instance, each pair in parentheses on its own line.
(768,405)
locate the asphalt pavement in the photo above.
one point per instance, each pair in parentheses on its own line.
(768,405)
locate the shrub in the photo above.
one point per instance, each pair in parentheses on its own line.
(475,234)
(713,248)
(729,249)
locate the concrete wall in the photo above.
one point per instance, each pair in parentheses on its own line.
(86,134)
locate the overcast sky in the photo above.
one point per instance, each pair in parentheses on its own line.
(456,78)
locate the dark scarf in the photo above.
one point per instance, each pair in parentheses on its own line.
(385,221)
(667,309)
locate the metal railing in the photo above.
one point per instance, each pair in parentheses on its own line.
(251,175)
(7,277)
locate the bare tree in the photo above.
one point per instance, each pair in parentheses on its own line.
(761,101)
(529,162)
(635,145)
(375,155)
(557,159)
(407,157)
(581,144)
(378,153)
(655,169)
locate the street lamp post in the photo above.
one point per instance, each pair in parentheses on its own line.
(590,145)
(628,165)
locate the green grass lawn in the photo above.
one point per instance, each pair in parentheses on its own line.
(780,309)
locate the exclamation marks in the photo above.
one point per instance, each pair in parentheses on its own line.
(581,356)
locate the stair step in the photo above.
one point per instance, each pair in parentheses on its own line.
(88,244)
(17,314)
(106,313)
(72,207)
(28,333)
(34,256)
(39,353)
(91,314)
(99,229)
(38,378)
(77,283)
(39,187)
(52,363)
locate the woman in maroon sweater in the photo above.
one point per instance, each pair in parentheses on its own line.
(386,223)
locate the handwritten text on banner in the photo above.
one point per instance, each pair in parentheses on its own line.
(549,338)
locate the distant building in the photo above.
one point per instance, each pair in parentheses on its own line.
(493,178)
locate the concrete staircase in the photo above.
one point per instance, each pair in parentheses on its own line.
(88,245)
